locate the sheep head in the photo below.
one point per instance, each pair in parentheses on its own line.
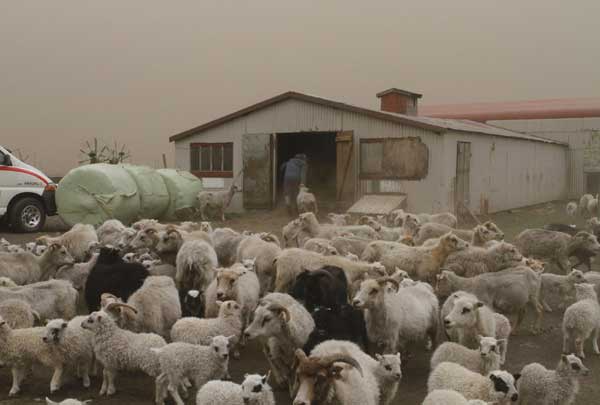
(465,313)
(494,229)
(168,240)
(58,255)
(315,374)
(371,292)
(270,319)
(55,331)
(389,366)
(226,281)
(145,238)
(450,243)
(254,386)
(572,366)
(229,309)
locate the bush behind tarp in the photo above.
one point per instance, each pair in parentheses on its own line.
(94,193)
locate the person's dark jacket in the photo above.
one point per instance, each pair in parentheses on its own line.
(295,169)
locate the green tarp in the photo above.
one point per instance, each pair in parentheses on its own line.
(94,193)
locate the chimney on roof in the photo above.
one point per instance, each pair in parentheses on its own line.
(399,101)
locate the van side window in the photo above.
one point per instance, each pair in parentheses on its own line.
(4,159)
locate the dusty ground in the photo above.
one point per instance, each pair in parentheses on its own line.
(523,349)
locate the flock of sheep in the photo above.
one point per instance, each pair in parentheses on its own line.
(335,307)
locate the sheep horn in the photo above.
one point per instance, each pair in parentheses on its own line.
(121,304)
(321,272)
(383,280)
(278,308)
(327,361)
(105,297)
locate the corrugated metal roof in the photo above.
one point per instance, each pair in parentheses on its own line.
(438,125)
(514,110)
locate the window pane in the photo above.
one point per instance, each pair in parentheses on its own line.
(194,158)
(217,158)
(205,159)
(228,157)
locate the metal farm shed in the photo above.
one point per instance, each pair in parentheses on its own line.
(437,163)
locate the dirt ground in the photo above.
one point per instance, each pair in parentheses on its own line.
(523,349)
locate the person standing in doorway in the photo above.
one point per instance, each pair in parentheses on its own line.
(294,174)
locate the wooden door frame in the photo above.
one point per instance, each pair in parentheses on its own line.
(346,136)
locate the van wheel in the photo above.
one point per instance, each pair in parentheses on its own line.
(27,215)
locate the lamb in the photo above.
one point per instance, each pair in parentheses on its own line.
(69,345)
(156,305)
(554,246)
(423,263)
(50,299)
(309,223)
(236,284)
(572,209)
(498,386)
(200,364)
(478,235)
(77,241)
(538,385)
(394,319)
(22,348)
(109,233)
(306,200)
(582,320)
(196,264)
(319,245)
(254,390)
(333,379)
(18,314)
(283,325)
(292,262)
(445,218)
(201,331)
(478,260)
(510,291)
(583,204)
(215,201)
(119,349)
(561,286)
(112,275)
(483,360)
(26,268)
(265,253)
(385,369)
(449,397)
(339,219)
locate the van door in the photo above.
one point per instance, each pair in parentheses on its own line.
(5,178)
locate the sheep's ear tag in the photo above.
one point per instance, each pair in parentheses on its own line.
(194,293)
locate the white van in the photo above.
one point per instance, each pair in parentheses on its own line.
(26,194)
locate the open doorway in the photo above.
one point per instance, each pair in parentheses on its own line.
(320,150)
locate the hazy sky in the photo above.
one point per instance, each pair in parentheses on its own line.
(139,71)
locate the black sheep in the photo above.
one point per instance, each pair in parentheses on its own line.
(345,323)
(326,287)
(112,275)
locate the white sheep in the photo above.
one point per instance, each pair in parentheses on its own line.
(309,223)
(77,240)
(476,260)
(235,283)
(254,390)
(394,319)
(482,360)
(497,386)
(582,320)
(50,299)
(77,273)
(306,200)
(538,385)
(199,331)
(156,307)
(339,219)
(26,268)
(320,245)
(196,263)
(18,313)
(265,253)
(449,397)
(69,345)
(109,233)
(445,218)
(119,349)
(470,318)
(283,325)
(7,282)
(561,286)
(572,209)
(199,364)
(68,402)
(215,201)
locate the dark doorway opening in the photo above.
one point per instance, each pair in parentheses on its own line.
(592,183)
(320,150)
